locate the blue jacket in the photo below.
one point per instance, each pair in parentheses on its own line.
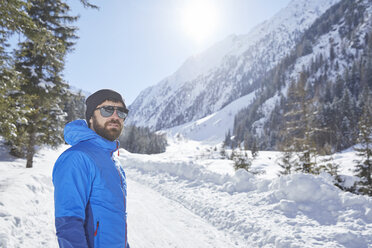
(89,192)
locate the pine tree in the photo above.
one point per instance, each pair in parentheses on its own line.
(142,140)
(344,124)
(348,106)
(223,152)
(287,133)
(9,114)
(74,106)
(254,149)
(13,19)
(366,70)
(241,161)
(323,130)
(227,141)
(40,66)
(328,165)
(233,154)
(364,164)
(299,127)
(287,162)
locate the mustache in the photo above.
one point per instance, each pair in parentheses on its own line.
(113,122)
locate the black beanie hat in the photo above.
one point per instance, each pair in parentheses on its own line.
(99,97)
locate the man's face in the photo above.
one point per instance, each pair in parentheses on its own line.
(107,127)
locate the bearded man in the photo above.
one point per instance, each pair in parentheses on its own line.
(90,190)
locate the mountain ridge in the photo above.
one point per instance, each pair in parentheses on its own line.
(186,96)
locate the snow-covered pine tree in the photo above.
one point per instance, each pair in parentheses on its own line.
(241,160)
(227,142)
(254,149)
(328,165)
(13,19)
(9,114)
(223,152)
(364,163)
(366,66)
(299,127)
(287,160)
(40,66)
(74,106)
(346,120)
(287,133)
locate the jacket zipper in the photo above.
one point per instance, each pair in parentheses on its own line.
(95,233)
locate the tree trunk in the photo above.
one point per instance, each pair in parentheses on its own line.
(30,150)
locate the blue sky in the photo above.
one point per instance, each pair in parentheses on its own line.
(129,45)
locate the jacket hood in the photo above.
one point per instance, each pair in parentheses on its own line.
(78,131)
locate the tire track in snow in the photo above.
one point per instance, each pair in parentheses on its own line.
(156,221)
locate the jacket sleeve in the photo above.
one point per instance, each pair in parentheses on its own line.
(72,179)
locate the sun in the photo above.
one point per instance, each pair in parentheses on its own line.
(199,19)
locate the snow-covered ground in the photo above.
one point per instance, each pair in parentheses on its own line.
(189,197)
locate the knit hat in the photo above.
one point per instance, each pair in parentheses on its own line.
(99,97)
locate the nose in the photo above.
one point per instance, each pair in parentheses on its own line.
(115,114)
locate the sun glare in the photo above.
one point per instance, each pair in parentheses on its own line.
(199,19)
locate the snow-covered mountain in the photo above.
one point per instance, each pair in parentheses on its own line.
(212,128)
(333,60)
(209,81)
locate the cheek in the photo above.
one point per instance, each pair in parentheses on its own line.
(98,120)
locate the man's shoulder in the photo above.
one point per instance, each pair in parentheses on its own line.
(75,149)
(83,147)
(79,151)
(72,160)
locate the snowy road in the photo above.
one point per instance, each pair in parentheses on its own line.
(156,221)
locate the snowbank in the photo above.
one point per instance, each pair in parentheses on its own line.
(26,201)
(298,210)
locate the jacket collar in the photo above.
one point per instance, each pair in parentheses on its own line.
(78,131)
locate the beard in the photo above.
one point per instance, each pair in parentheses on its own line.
(110,134)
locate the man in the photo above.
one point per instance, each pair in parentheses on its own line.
(90,185)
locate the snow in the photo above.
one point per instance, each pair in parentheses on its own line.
(190,197)
(46,85)
(26,201)
(199,232)
(214,127)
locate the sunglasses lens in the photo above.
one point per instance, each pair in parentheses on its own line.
(121,114)
(107,111)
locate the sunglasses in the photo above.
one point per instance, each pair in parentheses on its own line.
(107,111)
